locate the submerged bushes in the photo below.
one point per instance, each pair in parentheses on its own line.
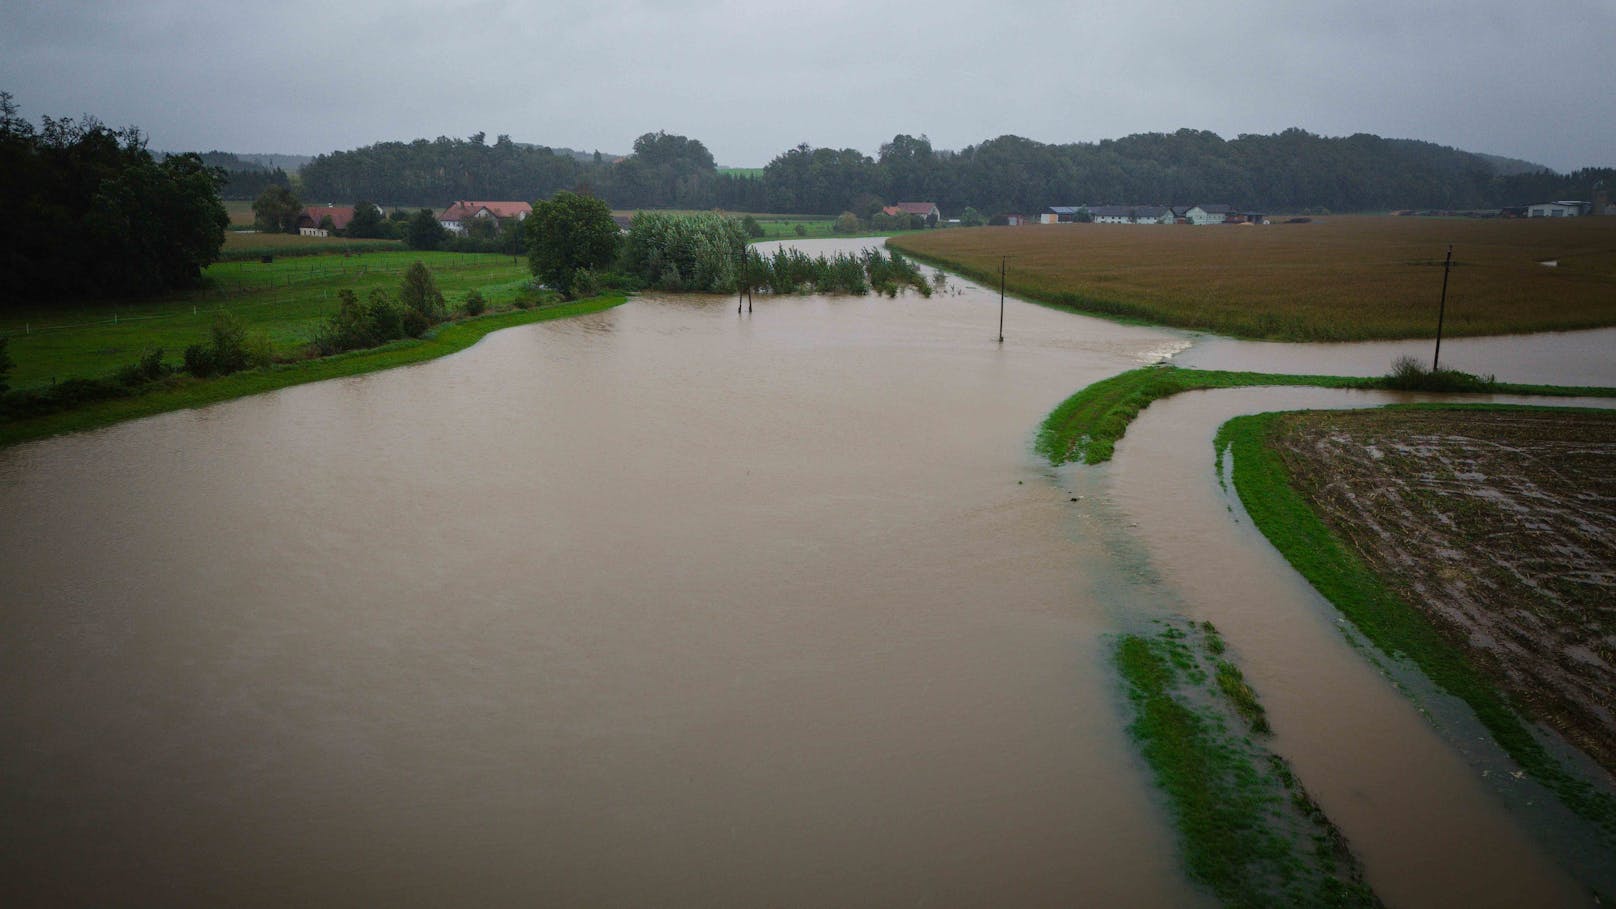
(707,253)
(1408,375)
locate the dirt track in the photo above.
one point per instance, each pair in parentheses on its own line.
(1500,526)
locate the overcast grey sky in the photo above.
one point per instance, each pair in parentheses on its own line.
(1535,80)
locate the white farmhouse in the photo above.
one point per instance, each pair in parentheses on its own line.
(1207,214)
(1562,209)
(1130,214)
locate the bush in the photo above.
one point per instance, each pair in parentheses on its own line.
(420,292)
(847,223)
(475,304)
(230,349)
(1409,375)
(149,368)
(415,323)
(801,231)
(751,227)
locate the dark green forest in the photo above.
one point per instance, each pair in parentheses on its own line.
(91,213)
(1292,171)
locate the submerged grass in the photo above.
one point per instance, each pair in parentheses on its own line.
(1389,622)
(184,392)
(1249,830)
(1086,426)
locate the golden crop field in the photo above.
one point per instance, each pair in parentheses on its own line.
(1334,279)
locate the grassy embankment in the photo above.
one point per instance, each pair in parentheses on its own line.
(1338,279)
(1086,426)
(185,392)
(1384,618)
(1248,828)
(286,300)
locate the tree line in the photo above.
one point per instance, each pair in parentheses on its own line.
(1292,171)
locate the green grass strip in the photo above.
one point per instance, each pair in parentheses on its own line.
(1389,622)
(1248,829)
(186,393)
(1086,426)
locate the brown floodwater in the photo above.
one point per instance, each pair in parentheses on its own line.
(1581,358)
(667,606)
(659,606)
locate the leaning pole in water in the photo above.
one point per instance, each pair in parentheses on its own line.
(1442,308)
(1002,261)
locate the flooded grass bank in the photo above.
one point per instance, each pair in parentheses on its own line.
(1086,426)
(1249,830)
(1265,488)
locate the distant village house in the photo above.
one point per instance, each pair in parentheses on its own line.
(458,215)
(1131,214)
(1562,209)
(926,211)
(320,220)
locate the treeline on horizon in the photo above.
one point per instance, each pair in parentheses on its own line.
(1291,171)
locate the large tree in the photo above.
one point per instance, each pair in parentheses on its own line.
(424,231)
(567,233)
(276,209)
(366,221)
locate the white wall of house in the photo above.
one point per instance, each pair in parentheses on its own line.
(1199,215)
(1552,210)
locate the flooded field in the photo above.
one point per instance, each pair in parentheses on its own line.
(1582,358)
(668,606)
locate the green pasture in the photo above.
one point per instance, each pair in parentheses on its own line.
(286,299)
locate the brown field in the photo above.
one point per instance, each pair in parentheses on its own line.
(237,241)
(1335,279)
(240,212)
(1500,526)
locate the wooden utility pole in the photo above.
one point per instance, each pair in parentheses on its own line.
(1002,265)
(1442,308)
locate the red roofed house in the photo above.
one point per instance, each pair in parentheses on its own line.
(927,211)
(454,217)
(308,223)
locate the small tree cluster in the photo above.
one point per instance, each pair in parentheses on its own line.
(847,223)
(230,348)
(356,326)
(789,270)
(697,253)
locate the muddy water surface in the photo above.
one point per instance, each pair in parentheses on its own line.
(666,606)
(659,606)
(1552,358)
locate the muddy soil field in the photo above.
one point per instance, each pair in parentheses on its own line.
(1500,526)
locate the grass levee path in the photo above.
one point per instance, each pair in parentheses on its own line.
(1337,279)
(1248,828)
(185,392)
(1388,621)
(1086,426)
